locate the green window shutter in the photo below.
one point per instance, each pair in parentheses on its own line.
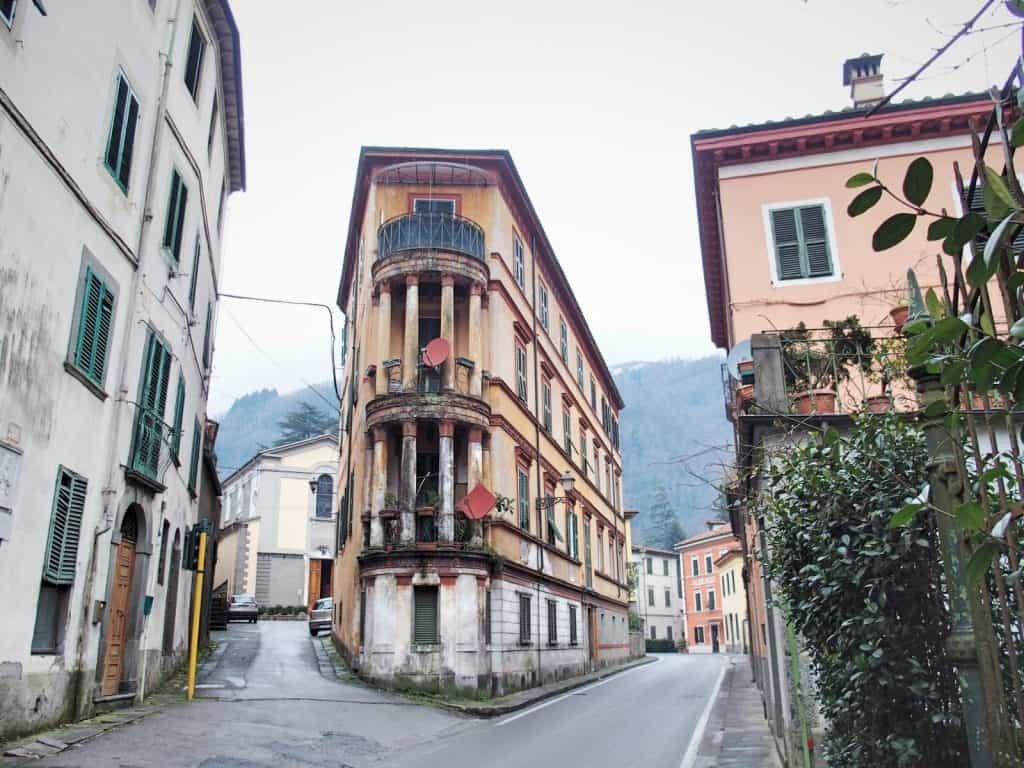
(787,244)
(424,615)
(60,562)
(175,222)
(572,625)
(206,336)
(524,619)
(547,407)
(552,622)
(521,373)
(194,277)
(564,341)
(524,500)
(815,236)
(179,410)
(94,327)
(121,139)
(193,470)
(194,59)
(149,424)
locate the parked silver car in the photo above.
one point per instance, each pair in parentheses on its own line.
(243,608)
(320,616)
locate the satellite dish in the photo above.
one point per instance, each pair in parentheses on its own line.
(478,502)
(738,354)
(436,352)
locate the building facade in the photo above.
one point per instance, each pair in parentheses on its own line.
(446,251)
(278,526)
(659,592)
(120,138)
(734,599)
(702,588)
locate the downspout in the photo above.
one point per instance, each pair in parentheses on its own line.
(110,489)
(536,443)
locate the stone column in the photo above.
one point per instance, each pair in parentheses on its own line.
(383,336)
(407,483)
(486,473)
(474,465)
(446,460)
(448,330)
(380,484)
(411,345)
(476,347)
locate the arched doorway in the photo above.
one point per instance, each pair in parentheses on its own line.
(171,599)
(117,612)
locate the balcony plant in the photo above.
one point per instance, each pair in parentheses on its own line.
(813,367)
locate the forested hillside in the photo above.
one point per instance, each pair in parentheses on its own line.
(674,438)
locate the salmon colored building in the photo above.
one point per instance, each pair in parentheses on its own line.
(470,367)
(702,587)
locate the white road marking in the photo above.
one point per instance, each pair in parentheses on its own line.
(573,692)
(690,756)
(210,685)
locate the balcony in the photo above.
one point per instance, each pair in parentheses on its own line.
(430,231)
(148,437)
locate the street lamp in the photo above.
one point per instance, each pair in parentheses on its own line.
(549,502)
(314,484)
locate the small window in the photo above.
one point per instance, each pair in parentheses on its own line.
(800,240)
(552,622)
(324,496)
(175,221)
(524,499)
(696,602)
(425,615)
(431,205)
(546,404)
(121,140)
(650,597)
(96,314)
(524,620)
(194,59)
(573,640)
(696,566)
(579,368)
(668,598)
(518,263)
(664,567)
(220,206)
(593,394)
(566,431)
(711,599)
(164,535)
(563,340)
(179,413)
(193,471)
(668,632)
(7,11)
(654,632)
(583,451)
(650,565)
(206,336)
(213,126)
(487,618)
(544,306)
(521,389)
(193,279)
(698,635)
(707,563)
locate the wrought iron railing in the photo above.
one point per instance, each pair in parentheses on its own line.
(392,531)
(438,231)
(426,530)
(147,438)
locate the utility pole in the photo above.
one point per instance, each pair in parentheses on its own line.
(197,611)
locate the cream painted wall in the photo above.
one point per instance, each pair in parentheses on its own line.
(293,513)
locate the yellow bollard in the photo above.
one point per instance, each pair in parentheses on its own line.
(197,612)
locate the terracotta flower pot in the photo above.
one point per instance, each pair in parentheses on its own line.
(994,401)
(878,404)
(899,316)
(815,401)
(744,397)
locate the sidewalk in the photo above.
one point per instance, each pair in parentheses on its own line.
(737,734)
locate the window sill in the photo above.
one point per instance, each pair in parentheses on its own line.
(146,482)
(45,652)
(524,644)
(88,383)
(426,647)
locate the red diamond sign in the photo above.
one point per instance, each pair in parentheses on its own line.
(478,502)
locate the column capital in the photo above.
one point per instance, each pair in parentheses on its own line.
(385,286)
(408,429)
(476,435)
(411,280)
(447,281)
(380,434)
(446,429)
(476,289)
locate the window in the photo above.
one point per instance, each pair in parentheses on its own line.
(696,566)
(424,620)
(521,390)
(800,240)
(698,635)
(194,60)
(121,140)
(165,533)
(7,11)
(524,499)
(175,221)
(586,553)
(711,599)
(443,207)
(179,412)
(213,126)
(193,279)
(567,431)
(583,450)
(544,306)
(524,619)
(487,617)
(668,598)
(654,632)
(707,563)
(668,632)
(324,496)
(206,336)
(518,264)
(593,393)
(193,470)
(96,314)
(650,565)
(546,402)
(696,602)
(563,333)
(605,416)
(220,205)
(552,527)
(552,622)
(650,597)
(152,404)
(600,549)
(573,640)
(579,368)
(572,524)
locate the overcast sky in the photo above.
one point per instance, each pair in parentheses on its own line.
(596,102)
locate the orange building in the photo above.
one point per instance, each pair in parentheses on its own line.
(702,587)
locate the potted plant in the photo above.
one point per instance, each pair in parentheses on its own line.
(889,371)
(814,367)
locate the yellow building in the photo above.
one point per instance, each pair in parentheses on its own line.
(734,600)
(516,398)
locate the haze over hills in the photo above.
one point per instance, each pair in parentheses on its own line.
(673,430)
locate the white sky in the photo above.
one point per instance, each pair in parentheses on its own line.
(596,102)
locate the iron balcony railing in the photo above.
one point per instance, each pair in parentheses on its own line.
(147,437)
(438,231)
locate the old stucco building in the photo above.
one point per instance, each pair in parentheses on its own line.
(120,138)
(446,245)
(659,592)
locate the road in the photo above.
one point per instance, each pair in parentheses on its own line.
(264,702)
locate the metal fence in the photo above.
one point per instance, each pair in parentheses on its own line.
(432,231)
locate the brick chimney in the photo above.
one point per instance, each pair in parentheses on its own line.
(864,76)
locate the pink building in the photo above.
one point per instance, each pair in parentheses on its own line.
(702,589)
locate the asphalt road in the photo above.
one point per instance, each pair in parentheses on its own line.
(264,703)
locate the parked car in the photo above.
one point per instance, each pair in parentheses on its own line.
(320,616)
(243,608)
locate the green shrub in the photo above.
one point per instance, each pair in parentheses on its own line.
(660,646)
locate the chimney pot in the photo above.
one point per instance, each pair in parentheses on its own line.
(864,76)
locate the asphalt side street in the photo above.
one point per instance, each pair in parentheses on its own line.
(264,702)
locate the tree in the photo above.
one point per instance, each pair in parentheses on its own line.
(305,421)
(663,530)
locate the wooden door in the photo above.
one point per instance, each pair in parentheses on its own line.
(714,639)
(171,597)
(314,583)
(117,617)
(595,640)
